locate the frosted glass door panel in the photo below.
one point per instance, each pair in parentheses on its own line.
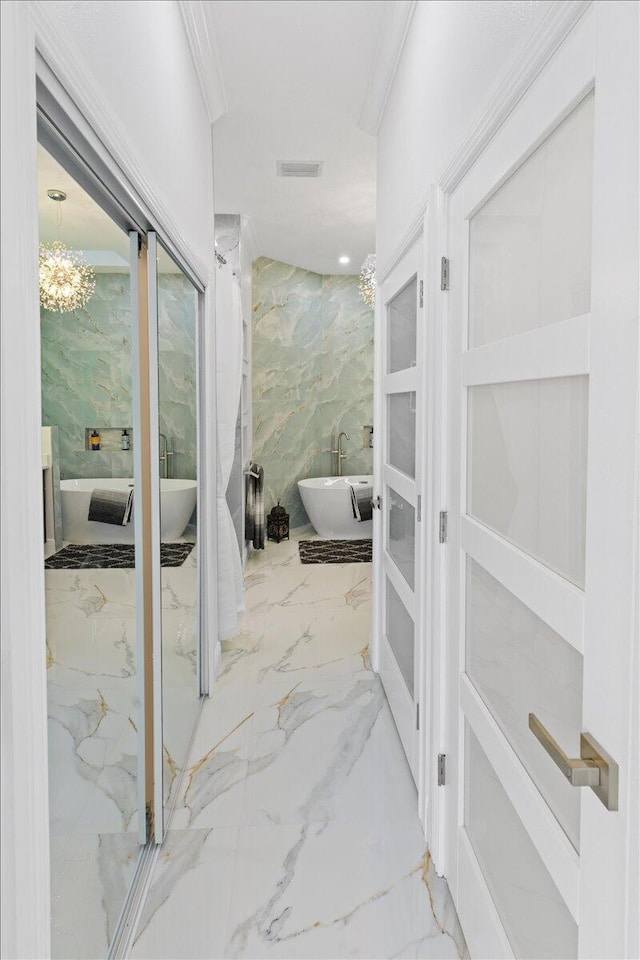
(402,317)
(402,432)
(400,633)
(520,665)
(401,538)
(527,467)
(535,918)
(530,244)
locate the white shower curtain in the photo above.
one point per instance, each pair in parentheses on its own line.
(228,386)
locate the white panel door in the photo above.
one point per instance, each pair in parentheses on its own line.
(399,577)
(543,379)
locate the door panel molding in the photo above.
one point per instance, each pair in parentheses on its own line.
(401,483)
(402,381)
(400,700)
(552,843)
(400,585)
(483,929)
(558,350)
(552,598)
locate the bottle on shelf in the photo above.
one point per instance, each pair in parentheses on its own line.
(125,440)
(95,440)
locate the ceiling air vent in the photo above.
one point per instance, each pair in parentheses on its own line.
(299,168)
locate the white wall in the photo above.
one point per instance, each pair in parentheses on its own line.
(130,62)
(136,57)
(456,53)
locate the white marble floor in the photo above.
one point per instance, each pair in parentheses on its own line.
(296,832)
(93,739)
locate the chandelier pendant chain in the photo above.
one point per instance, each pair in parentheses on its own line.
(67,281)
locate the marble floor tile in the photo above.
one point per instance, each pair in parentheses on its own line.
(90,877)
(334,890)
(187,911)
(92,688)
(296,831)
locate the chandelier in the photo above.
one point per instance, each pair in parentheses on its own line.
(67,281)
(367,281)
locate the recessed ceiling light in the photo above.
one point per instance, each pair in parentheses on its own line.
(344,260)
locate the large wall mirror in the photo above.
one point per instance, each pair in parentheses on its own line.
(93,659)
(119,364)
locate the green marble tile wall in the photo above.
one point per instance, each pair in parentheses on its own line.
(312,376)
(87,375)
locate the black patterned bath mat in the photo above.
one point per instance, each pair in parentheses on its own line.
(335,551)
(112,556)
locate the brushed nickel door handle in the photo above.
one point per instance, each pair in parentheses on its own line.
(594,768)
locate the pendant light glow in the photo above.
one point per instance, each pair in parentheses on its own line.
(367,282)
(67,281)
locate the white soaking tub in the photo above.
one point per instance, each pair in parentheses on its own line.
(327,500)
(177,503)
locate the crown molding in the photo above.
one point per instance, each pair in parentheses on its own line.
(78,93)
(394,29)
(411,234)
(543,43)
(204,53)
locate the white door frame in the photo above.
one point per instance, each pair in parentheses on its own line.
(614,28)
(433,545)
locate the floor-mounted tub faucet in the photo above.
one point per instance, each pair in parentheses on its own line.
(340,456)
(166,454)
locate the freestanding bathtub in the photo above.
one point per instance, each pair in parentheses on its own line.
(177,503)
(327,500)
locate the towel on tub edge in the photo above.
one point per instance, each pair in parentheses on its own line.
(111,506)
(361,500)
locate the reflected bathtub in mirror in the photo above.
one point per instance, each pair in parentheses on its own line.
(177,503)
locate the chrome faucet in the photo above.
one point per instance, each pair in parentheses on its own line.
(166,453)
(163,455)
(340,456)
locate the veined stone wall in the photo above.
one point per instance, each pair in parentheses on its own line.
(312,377)
(87,369)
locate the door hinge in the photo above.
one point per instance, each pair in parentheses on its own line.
(442,527)
(417,716)
(376,503)
(419,508)
(444,274)
(442,769)
(421,293)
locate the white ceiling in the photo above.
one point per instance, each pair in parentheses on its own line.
(295,76)
(83,225)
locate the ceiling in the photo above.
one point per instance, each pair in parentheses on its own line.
(295,76)
(84,225)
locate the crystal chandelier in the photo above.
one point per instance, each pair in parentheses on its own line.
(67,281)
(367,282)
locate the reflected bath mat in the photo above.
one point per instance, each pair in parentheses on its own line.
(335,551)
(111,556)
